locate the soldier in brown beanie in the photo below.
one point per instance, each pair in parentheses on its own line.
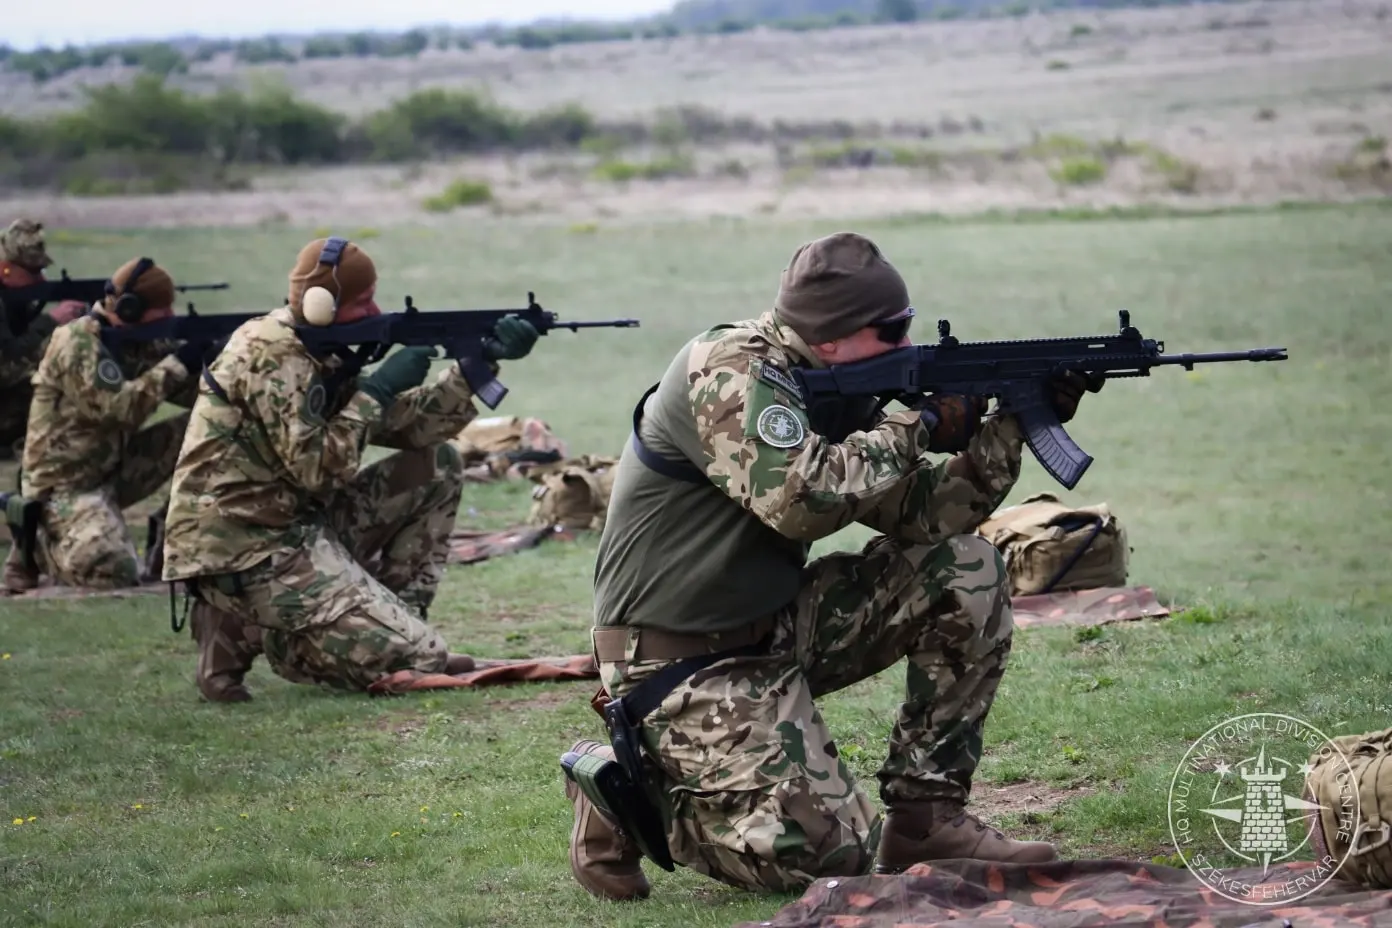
(292,548)
(715,505)
(86,456)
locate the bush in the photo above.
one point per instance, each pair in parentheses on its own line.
(1079,171)
(462,192)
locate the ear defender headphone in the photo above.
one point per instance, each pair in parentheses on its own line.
(130,306)
(318,305)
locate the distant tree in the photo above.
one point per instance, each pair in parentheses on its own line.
(896,11)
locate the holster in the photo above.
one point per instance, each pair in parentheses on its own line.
(623,800)
(23,516)
(621,787)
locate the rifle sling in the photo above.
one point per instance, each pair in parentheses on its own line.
(678,469)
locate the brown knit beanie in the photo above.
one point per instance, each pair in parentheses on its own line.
(836,285)
(154,286)
(353,277)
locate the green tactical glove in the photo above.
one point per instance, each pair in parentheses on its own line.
(513,338)
(397,374)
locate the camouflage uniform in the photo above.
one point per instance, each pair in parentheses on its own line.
(758,795)
(87,457)
(328,568)
(23,255)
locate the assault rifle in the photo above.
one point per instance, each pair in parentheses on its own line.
(460,333)
(191,327)
(86,289)
(1016,373)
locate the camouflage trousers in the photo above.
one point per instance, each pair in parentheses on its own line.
(83,538)
(758,795)
(349,604)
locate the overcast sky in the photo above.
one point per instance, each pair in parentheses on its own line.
(55,22)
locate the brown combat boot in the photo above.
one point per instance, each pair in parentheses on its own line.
(604,860)
(942,830)
(16,576)
(226,649)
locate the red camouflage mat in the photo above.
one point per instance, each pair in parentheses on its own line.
(1074,893)
(491,673)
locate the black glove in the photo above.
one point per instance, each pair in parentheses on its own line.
(1067,390)
(952,420)
(513,338)
(397,374)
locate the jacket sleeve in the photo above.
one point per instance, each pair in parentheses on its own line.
(28,345)
(954,495)
(762,454)
(428,414)
(93,382)
(286,393)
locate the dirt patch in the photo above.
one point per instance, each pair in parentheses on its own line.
(64,715)
(991,802)
(403,726)
(552,696)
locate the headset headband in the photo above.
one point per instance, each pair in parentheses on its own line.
(332,252)
(141,266)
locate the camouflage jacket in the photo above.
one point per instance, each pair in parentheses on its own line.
(711,556)
(261,462)
(84,408)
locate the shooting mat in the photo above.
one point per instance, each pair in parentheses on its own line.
(1070,894)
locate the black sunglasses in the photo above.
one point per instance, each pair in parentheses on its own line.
(892,330)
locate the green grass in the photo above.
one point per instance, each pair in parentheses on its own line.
(1257,494)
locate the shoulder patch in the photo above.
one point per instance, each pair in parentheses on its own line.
(780,379)
(780,427)
(312,410)
(109,376)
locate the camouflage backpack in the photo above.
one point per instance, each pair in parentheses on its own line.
(1369,846)
(573,494)
(1048,546)
(494,447)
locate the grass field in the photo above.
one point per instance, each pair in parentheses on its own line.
(1257,496)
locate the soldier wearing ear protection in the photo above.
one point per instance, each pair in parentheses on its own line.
(86,456)
(291,548)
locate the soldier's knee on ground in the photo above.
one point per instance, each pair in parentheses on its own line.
(106,564)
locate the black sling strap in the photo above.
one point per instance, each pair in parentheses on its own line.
(680,469)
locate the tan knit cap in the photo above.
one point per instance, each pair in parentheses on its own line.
(836,285)
(355,274)
(154,286)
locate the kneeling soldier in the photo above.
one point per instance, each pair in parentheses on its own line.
(86,457)
(290,549)
(717,636)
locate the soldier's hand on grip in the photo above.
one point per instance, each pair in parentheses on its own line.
(1068,389)
(397,374)
(952,420)
(513,338)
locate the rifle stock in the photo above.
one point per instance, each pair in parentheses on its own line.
(1015,373)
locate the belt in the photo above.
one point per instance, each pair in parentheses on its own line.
(611,642)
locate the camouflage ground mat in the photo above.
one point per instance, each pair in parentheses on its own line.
(468,546)
(1071,894)
(491,673)
(1087,607)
